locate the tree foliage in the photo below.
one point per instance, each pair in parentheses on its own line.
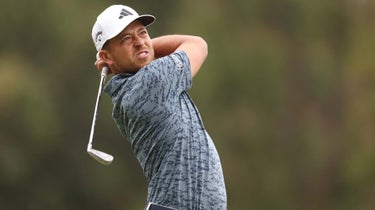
(287,93)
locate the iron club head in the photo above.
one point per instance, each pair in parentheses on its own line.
(100,156)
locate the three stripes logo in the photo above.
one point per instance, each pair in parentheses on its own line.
(124,13)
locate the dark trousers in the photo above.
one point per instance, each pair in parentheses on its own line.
(153,206)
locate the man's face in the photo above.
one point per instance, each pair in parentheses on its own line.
(130,50)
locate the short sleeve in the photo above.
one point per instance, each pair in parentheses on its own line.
(172,71)
(165,78)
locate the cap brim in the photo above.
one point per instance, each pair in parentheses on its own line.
(146,19)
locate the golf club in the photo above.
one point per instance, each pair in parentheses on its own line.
(100,156)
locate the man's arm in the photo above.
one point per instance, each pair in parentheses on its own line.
(195,48)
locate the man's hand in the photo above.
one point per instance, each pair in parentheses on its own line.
(100,64)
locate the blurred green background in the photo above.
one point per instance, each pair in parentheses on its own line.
(287,93)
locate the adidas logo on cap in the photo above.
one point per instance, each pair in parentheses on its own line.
(124,13)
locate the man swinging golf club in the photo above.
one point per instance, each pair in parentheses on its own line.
(153,110)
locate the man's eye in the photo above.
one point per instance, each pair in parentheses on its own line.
(125,38)
(143,32)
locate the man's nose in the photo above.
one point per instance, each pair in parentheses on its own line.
(138,41)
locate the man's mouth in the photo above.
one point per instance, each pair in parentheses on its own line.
(142,54)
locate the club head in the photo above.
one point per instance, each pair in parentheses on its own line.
(100,156)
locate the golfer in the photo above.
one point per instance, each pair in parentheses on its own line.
(153,110)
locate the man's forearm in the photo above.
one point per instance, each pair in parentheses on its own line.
(165,45)
(195,48)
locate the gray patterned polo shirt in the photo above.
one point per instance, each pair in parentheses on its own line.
(157,116)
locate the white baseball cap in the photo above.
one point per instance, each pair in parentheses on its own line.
(113,20)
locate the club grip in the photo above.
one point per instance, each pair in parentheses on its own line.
(105,71)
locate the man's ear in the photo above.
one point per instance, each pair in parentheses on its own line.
(105,56)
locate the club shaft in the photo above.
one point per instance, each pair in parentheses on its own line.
(102,80)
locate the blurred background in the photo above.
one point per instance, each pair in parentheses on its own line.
(287,93)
